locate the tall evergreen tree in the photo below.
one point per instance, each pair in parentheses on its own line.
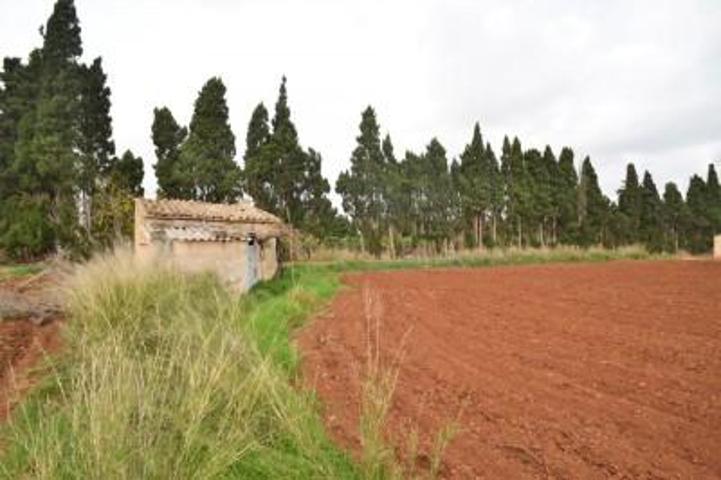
(475,185)
(319,216)
(676,217)
(167,137)
(288,159)
(593,207)
(127,174)
(46,158)
(261,167)
(567,197)
(95,143)
(362,187)
(713,199)
(629,204)
(700,232)
(206,169)
(651,224)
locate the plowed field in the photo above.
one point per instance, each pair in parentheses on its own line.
(559,371)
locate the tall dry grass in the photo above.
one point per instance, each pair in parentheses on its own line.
(164,379)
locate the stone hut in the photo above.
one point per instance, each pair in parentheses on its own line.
(239,242)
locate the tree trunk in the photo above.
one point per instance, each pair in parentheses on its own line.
(494,230)
(520,232)
(540,234)
(391,241)
(480,232)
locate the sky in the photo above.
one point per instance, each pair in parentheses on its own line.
(617,80)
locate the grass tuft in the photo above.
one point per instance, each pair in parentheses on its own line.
(169,376)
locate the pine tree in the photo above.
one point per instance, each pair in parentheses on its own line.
(567,193)
(394,196)
(362,187)
(437,215)
(167,137)
(95,136)
(61,35)
(260,167)
(518,193)
(491,170)
(593,207)
(283,178)
(206,169)
(676,217)
(629,204)
(288,159)
(540,205)
(713,199)
(651,224)
(127,174)
(700,231)
(474,185)
(18,94)
(45,161)
(319,216)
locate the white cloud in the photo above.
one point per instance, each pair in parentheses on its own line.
(616,80)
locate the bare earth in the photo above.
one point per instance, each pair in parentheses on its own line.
(564,371)
(30,324)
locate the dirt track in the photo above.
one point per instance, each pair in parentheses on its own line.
(566,371)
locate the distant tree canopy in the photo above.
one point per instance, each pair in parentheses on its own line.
(62,186)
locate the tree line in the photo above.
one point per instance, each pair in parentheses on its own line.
(62,186)
(523,198)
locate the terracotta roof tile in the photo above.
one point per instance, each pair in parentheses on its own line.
(242,212)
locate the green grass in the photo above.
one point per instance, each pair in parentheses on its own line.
(20,270)
(171,376)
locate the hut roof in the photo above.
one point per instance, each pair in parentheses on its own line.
(241,212)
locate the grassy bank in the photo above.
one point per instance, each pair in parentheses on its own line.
(19,270)
(170,376)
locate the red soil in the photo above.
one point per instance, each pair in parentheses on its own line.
(24,342)
(22,347)
(564,371)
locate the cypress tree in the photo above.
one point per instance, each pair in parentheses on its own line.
(206,169)
(700,230)
(362,187)
(95,136)
(127,174)
(593,207)
(651,224)
(438,215)
(287,154)
(474,185)
(567,193)
(629,204)
(319,216)
(167,137)
(675,216)
(260,168)
(713,194)
(45,160)
(258,131)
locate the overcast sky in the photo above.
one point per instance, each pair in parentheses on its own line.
(617,80)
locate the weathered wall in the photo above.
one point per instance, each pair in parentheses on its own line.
(269,258)
(717,247)
(227,259)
